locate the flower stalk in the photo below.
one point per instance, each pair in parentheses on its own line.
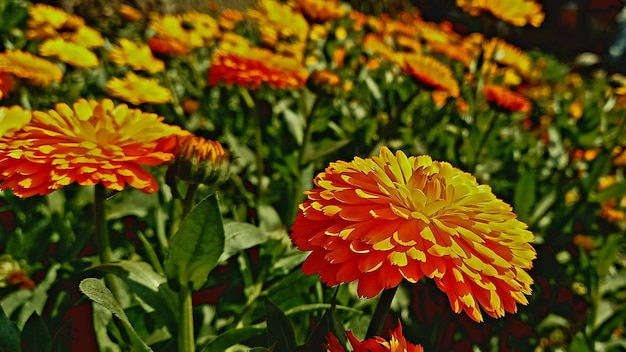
(381,312)
(103,243)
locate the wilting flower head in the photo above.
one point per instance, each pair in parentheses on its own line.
(88,143)
(317,11)
(431,73)
(506,99)
(236,62)
(396,343)
(516,12)
(138,57)
(25,65)
(391,217)
(199,161)
(68,52)
(138,90)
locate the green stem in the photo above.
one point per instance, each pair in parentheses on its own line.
(483,140)
(190,198)
(258,144)
(103,244)
(308,131)
(186,341)
(381,312)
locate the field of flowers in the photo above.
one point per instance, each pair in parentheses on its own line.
(305,177)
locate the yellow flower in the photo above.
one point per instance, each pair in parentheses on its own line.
(278,22)
(229,18)
(68,52)
(48,22)
(129,13)
(317,11)
(138,57)
(138,90)
(507,54)
(25,65)
(516,12)
(12,118)
(87,37)
(389,218)
(88,143)
(193,29)
(431,73)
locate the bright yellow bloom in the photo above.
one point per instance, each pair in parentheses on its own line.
(48,22)
(387,218)
(13,118)
(68,52)
(516,12)
(192,28)
(138,57)
(25,65)
(87,37)
(88,143)
(138,90)
(278,22)
(507,54)
(431,73)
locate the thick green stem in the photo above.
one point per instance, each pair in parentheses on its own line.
(186,342)
(190,198)
(381,312)
(103,244)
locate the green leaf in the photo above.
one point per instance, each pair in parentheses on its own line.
(615,191)
(241,236)
(329,322)
(524,198)
(9,334)
(608,327)
(232,337)
(295,124)
(607,254)
(579,345)
(35,335)
(279,329)
(99,293)
(196,246)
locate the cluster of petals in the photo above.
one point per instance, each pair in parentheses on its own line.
(138,90)
(278,22)
(190,29)
(516,12)
(396,343)
(23,64)
(318,11)
(389,218)
(506,99)
(88,143)
(236,62)
(137,56)
(431,73)
(68,52)
(498,50)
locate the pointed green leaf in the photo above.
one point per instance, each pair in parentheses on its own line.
(240,236)
(35,335)
(9,334)
(99,293)
(524,198)
(279,328)
(196,246)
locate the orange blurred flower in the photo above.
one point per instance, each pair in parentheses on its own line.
(516,12)
(454,52)
(129,13)
(138,90)
(89,142)
(391,217)
(396,343)
(614,209)
(167,46)
(377,45)
(431,73)
(506,99)
(236,62)
(25,65)
(6,84)
(68,52)
(137,56)
(507,54)
(318,11)
(583,241)
(229,18)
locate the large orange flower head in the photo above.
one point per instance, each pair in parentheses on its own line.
(90,142)
(236,62)
(396,343)
(506,99)
(516,12)
(431,73)
(387,218)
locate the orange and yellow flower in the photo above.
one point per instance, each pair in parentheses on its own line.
(88,143)
(387,218)
(318,11)
(229,18)
(613,209)
(48,22)
(396,343)
(138,90)
(129,13)
(68,52)
(236,62)
(25,65)
(12,119)
(516,12)
(278,22)
(198,161)
(507,54)
(138,57)
(506,99)
(431,73)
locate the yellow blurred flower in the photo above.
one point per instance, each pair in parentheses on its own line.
(137,56)
(12,119)
(138,90)
(25,65)
(431,73)
(516,12)
(85,36)
(576,109)
(278,22)
(192,28)
(376,44)
(129,13)
(507,54)
(69,53)
(48,22)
